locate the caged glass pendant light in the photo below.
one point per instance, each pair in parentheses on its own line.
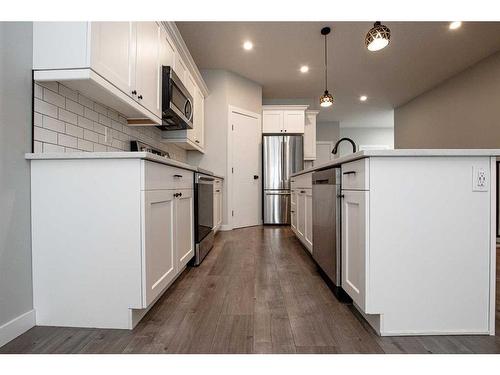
(326,100)
(378,37)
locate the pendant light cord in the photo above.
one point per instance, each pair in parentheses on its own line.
(326,65)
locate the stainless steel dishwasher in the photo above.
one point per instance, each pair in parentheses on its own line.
(326,195)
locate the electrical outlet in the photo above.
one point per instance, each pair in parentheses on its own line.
(479,179)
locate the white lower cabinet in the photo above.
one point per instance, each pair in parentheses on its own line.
(301,209)
(121,232)
(158,245)
(184,222)
(355,228)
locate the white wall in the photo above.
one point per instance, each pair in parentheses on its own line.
(15,140)
(226,88)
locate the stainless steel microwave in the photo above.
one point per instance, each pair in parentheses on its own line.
(177,102)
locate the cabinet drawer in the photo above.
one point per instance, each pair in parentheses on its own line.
(356,175)
(302,181)
(161,176)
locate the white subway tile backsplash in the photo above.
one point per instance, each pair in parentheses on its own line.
(48,147)
(67,140)
(90,114)
(53,98)
(45,135)
(68,116)
(74,107)
(85,123)
(45,108)
(89,135)
(83,100)
(66,121)
(85,145)
(53,124)
(74,130)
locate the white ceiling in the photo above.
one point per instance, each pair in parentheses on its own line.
(420,55)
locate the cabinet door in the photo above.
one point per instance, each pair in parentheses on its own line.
(148,66)
(216,209)
(310,137)
(293,121)
(219,215)
(355,244)
(301,214)
(308,229)
(113,53)
(293,211)
(157,243)
(272,122)
(184,227)
(199,118)
(180,68)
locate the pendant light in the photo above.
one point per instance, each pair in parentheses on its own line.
(326,100)
(378,37)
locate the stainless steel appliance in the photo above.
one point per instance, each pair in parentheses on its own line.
(203,215)
(282,156)
(177,102)
(326,195)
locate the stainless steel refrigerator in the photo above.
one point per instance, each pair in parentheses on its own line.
(282,156)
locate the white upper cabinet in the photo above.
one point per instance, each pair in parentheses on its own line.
(283,119)
(147,66)
(113,53)
(293,121)
(310,135)
(199,118)
(115,63)
(272,121)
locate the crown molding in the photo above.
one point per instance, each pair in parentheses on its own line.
(175,34)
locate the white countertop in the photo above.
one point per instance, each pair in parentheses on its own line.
(400,153)
(112,155)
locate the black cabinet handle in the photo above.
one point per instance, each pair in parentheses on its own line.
(180,194)
(178,175)
(139,97)
(217,191)
(302,191)
(197,141)
(255,177)
(340,196)
(134,92)
(349,172)
(176,195)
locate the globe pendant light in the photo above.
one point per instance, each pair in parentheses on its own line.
(326,100)
(378,37)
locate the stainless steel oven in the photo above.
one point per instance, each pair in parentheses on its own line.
(204,216)
(177,102)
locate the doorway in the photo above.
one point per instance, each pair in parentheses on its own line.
(244,164)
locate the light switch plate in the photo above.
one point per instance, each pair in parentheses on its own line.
(480,179)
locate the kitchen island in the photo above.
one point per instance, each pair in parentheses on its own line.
(419,239)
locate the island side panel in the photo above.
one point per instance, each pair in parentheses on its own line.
(86,242)
(430,245)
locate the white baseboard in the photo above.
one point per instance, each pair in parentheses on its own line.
(225,227)
(16,327)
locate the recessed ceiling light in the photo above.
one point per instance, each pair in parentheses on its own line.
(363,98)
(248,45)
(455,25)
(304,69)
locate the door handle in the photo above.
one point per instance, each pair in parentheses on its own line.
(349,172)
(255,177)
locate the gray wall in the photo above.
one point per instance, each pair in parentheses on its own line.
(226,88)
(15,140)
(327,131)
(462,112)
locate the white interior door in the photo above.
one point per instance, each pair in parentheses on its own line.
(246,141)
(323,152)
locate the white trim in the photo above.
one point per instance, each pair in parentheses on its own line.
(284,107)
(493,244)
(175,34)
(225,228)
(229,160)
(17,326)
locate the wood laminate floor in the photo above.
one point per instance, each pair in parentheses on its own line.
(258,291)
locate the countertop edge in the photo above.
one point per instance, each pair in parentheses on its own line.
(112,155)
(402,153)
